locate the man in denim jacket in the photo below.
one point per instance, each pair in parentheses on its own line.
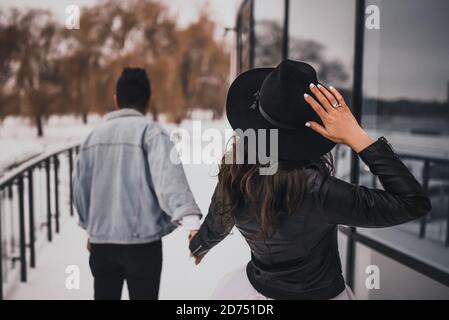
(130,190)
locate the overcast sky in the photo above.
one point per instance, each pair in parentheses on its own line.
(410,51)
(223,11)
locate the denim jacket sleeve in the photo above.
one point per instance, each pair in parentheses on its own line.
(81,199)
(167,175)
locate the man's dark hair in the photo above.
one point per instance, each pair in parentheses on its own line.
(133,89)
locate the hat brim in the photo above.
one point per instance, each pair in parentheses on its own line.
(300,144)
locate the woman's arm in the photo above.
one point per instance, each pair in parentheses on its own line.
(213,230)
(402,199)
(343,203)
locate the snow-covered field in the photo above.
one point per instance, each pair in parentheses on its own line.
(18,140)
(180,278)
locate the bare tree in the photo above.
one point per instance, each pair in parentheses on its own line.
(35,77)
(47,69)
(269,39)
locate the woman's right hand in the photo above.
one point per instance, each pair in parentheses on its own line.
(340,125)
(197,259)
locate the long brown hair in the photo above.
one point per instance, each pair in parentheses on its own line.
(266,195)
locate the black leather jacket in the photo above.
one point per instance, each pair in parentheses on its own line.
(301,259)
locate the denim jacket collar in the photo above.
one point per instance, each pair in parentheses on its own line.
(125,112)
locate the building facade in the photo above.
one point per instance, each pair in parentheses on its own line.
(389,59)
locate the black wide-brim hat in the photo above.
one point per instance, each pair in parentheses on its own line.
(273,98)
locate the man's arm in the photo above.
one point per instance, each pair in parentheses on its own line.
(169,181)
(81,190)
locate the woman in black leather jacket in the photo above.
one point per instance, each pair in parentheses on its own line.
(290,219)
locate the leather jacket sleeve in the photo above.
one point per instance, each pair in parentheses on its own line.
(339,202)
(215,227)
(402,199)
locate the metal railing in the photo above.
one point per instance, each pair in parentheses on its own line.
(20,190)
(430,169)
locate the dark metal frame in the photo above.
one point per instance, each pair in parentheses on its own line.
(357,97)
(285,42)
(243,6)
(353,236)
(253,35)
(1,251)
(17,177)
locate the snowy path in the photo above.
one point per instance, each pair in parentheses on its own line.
(180,278)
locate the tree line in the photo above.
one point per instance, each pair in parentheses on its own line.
(47,69)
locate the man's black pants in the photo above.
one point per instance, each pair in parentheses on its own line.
(139,264)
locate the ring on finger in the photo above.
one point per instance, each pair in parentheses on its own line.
(336,105)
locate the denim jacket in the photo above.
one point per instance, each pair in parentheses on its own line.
(126,188)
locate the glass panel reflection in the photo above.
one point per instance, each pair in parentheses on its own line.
(321,33)
(406,99)
(269,32)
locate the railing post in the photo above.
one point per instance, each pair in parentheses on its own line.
(31,219)
(25,180)
(56,187)
(11,201)
(23,264)
(1,246)
(47,176)
(70,180)
(425,178)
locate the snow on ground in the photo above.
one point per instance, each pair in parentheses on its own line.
(19,141)
(181,279)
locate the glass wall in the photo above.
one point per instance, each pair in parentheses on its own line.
(268,31)
(321,33)
(405,96)
(406,99)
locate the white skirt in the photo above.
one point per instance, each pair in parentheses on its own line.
(236,286)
